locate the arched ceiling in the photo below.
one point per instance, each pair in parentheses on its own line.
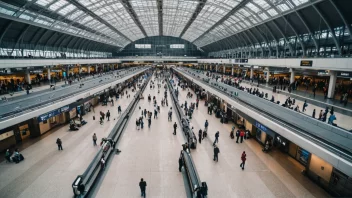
(120,22)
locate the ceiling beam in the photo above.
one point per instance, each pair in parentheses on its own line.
(285,37)
(289,24)
(235,9)
(198,9)
(337,44)
(347,24)
(98,18)
(127,5)
(308,29)
(160,16)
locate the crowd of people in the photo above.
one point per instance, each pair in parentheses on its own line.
(289,102)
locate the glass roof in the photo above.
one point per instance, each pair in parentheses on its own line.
(175,13)
(253,13)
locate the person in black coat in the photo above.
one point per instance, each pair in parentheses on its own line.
(142,186)
(200,136)
(180,164)
(216,153)
(237,135)
(59,144)
(108,115)
(175,127)
(217,134)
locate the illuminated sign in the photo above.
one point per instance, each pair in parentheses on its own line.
(306,63)
(344,74)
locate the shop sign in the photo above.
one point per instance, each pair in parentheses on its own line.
(344,74)
(46,116)
(6,135)
(261,127)
(306,63)
(65,108)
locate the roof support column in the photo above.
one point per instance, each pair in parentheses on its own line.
(332,84)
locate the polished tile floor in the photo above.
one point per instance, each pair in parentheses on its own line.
(149,153)
(264,176)
(153,154)
(47,172)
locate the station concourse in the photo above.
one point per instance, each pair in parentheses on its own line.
(76,76)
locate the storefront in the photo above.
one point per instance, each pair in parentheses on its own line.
(298,153)
(50,120)
(264,134)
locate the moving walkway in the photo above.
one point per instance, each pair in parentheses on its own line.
(328,142)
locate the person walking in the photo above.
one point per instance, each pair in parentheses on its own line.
(200,135)
(216,153)
(175,127)
(313,115)
(108,115)
(141,122)
(217,134)
(119,109)
(95,139)
(243,159)
(206,124)
(137,124)
(59,144)
(320,114)
(304,106)
(237,135)
(142,186)
(242,135)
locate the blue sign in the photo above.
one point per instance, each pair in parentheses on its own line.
(261,127)
(46,116)
(65,108)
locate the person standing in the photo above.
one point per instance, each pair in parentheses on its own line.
(108,115)
(216,153)
(313,115)
(59,144)
(237,135)
(137,124)
(180,164)
(175,127)
(320,114)
(142,186)
(206,124)
(95,139)
(200,135)
(242,135)
(243,159)
(217,134)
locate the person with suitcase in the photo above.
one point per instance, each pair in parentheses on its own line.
(59,144)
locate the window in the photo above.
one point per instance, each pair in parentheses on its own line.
(177,46)
(143,46)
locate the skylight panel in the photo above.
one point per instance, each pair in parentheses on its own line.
(299,2)
(252,7)
(283,7)
(58,4)
(262,3)
(44,2)
(67,9)
(272,12)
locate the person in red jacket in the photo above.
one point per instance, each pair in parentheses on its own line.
(243,158)
(242,135)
